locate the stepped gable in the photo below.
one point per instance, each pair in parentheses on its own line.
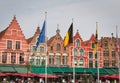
(14,25)
(77,35)
(92,38)
(37,33)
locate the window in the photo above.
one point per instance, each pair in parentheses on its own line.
(113,54)
(106,63)
(90,64)
(96,55)
(51,59)
(4,57)
(93,45)
(9,44)
(43,60)
(64,60)
(58,48)
(75,52)
(113,63)
(64,48)
(37,60)
(41,49)
(77,42)
(106,53)
(21,58)
(96,64)
(51,48)
(17,45)
(81,52)
(75,62)
(13,57)
(105,43)
(33,48)
(81,62)
(58,60)
(90,54)
(31,60)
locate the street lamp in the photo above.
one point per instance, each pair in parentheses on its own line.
(28,67)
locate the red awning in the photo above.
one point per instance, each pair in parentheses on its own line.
(46,76)
(110,77)
(3,74)
(26,75)
(114,76)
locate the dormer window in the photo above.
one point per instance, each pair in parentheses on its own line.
(14,32)
(41,49)
(77,42)
(58,47)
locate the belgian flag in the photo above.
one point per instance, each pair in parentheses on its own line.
(69,36)
(96,40)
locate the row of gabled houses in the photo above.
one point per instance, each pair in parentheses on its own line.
(15,49)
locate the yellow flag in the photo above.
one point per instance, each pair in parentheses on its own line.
(69,36)
(96,40)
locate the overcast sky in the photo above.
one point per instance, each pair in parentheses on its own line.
(85,13)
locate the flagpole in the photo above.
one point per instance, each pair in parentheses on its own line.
(73,59)
(117,50)
(97,52)
(46,49)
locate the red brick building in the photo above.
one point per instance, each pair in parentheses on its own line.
(58,55)
(110,56)
(83,52)
(36,57)
(13,45)
(93,59)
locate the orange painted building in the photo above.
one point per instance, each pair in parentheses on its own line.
(13,45)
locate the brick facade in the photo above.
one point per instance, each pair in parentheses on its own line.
(13,45)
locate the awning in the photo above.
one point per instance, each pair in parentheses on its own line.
(56,69)
(21,69)
(40,70)
(46,76)
(110,76)
(2,74)
(7,69)
(110,71)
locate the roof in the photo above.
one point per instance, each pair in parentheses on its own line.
(36,33)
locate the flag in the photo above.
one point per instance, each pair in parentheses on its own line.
(96,40)
(41,38)
(117,41)
(69,36)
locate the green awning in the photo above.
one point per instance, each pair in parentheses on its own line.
(82,70)
(21,69)
(110,71)
(7,69)
(56,69)
(66,69)
(116,70)
(40,70)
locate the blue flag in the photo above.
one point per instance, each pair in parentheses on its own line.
(41,38)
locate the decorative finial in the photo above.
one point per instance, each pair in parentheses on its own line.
(77,30)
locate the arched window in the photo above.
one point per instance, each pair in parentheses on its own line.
(81,52)
(75,62)
(58,47)
(77,42)
(75,52)
(81,62)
